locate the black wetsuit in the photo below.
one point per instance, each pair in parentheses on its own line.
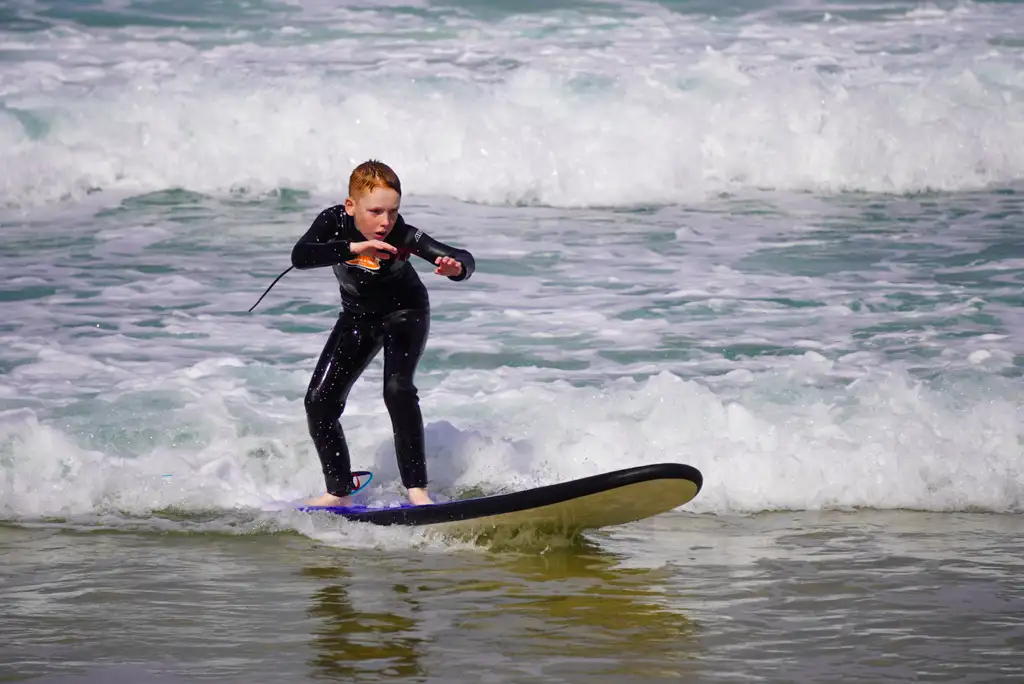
(384,304)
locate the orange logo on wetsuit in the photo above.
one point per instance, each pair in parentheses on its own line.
(365,262)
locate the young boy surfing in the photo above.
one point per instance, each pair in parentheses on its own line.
(384,304)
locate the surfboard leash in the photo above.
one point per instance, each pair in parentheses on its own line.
(268,289)
(360,485)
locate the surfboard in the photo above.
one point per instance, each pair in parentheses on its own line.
(606,499)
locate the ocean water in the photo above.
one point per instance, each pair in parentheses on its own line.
(780,242)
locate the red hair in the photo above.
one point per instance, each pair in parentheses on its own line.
(373,174)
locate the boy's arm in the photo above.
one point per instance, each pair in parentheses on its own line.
(426,247)
(321,246)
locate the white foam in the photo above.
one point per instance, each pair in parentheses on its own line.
(884,442)
(713,108)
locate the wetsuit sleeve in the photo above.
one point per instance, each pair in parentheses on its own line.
(320,245)
(426,247)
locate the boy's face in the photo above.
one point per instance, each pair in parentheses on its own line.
(375,212)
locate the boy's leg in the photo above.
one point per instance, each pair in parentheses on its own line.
(405,336)
(349,349)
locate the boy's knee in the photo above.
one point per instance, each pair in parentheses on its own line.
(320,407)
(398,388)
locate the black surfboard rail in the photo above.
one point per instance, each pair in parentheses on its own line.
(497,504)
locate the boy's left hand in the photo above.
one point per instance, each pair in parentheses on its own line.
(447,266)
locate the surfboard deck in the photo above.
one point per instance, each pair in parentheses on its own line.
(606,499)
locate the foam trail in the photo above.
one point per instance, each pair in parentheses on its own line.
(645,145)
(885,442)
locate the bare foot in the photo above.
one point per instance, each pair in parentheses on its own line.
(330,500)
(418,496)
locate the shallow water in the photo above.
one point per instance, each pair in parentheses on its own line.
(771,598)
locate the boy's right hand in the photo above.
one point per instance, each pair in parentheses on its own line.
(374,248)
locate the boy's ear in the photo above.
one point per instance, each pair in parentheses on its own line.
(350,204)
